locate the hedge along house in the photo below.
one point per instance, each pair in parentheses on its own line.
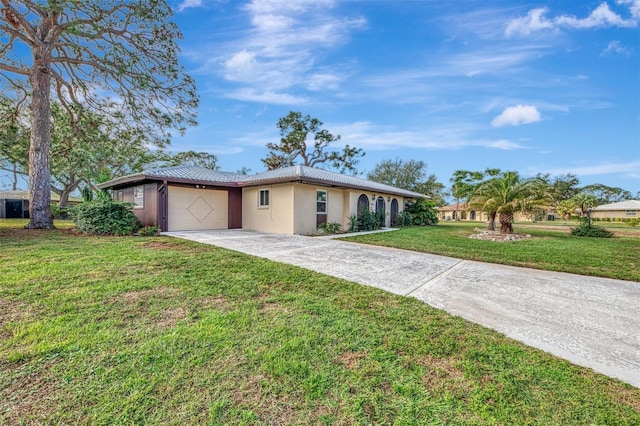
(290,200)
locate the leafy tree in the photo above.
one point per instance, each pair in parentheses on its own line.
(14,140)
(192,158)
(244,170)
(409,175)
(436,191)
(559,188)
(506,194)
(463,185)
(92,149)
(607,194)
(118,57)
(294,146)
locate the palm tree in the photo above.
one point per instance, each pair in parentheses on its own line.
(584,202)
(506,194)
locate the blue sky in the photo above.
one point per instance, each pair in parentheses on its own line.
(537,87)
(528,86)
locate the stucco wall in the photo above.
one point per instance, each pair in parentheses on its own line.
(305,221)
(354,195)
(277,217)
(613,214)
(292,207)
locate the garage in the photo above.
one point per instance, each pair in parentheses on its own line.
(195,209)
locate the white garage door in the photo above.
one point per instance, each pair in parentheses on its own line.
(191,208)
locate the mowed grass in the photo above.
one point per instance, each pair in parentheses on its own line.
(132,330)
(548,249)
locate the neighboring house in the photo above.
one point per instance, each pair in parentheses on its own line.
(290,200)
(15,204)
(462,212)
(623,210)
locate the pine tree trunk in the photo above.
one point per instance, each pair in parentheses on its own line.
(505,223)
(40,216)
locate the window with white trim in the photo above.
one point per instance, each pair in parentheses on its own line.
(321,202)
(263,198)
(138,197)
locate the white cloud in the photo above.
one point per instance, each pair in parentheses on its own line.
(281,49)
(240,66)
(516,115)
(324,80)
(602,16)
(186,4)
(266,96)
(630,169)
(634,7)
(534,21)
(615,47)
(367,135)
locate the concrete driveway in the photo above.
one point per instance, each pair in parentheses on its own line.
(593,322)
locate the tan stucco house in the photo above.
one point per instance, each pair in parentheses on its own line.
(623,210)
(290,200)
(463,212)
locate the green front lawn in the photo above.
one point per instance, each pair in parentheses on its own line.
(553,250)
(133,330)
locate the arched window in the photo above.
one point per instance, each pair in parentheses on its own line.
(380,210)
(363,204)
(394,211)
(472,215)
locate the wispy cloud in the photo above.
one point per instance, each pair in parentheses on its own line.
(601,16)
(370,136)
(517,115)
(615,47)
(629,169)
(186,4)
(249,94)
(282,49)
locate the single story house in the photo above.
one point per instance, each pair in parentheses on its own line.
(15,204)
(623,210)
(289,200)
(463,212)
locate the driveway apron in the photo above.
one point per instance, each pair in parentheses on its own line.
(592,322)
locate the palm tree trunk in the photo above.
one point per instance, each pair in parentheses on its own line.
(491,224)
(505,223)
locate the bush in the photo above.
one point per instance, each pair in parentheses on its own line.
(423,212)
(404,219)
(148,231)
(330,227)
(59,213)
(105,217)
(367,221)
(633,222)
(593,231)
